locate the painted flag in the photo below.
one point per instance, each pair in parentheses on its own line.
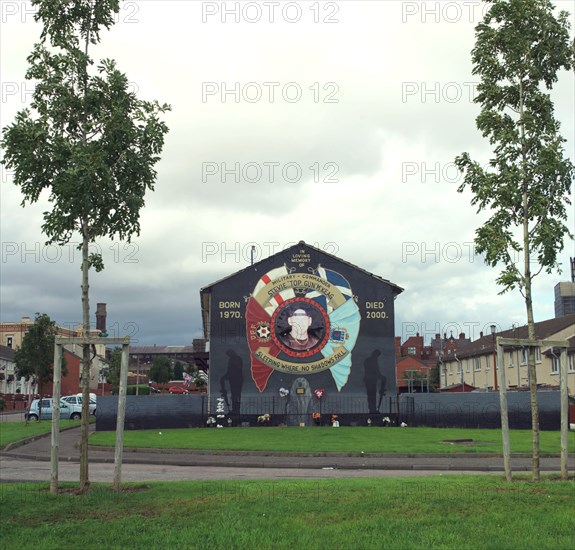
(187,379)
(279,298)
(335,279)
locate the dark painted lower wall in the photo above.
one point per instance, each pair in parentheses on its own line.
(479,410)
(458,410)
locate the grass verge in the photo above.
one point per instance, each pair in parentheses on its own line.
(15,431)
(475,512)
(345,439)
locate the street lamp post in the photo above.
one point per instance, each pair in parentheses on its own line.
(493,328)
(460,364)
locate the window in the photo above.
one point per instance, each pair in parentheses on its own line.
(554,365)
(488,360)
(411,350)
(478,363)
(468,363)
(538,355)
(524,355)
(571,363)
(9,341)
(510,359)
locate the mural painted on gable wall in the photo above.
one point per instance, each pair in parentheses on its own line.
(309,317)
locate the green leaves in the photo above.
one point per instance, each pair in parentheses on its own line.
(96,261)
(521,47)
(88,139)
(35,356)
(161,370)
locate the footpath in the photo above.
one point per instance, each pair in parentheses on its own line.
(39,450)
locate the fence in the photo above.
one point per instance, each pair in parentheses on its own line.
(187,411)
(460,410)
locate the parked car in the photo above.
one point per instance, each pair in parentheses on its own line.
(67,410)
(178,389)
(77,400)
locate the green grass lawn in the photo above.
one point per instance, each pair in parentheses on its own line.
(345,439)
(15,431)
(459,512)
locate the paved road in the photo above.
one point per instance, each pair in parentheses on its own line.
(18,470)
(30,462)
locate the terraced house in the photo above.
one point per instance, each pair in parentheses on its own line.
(475,364)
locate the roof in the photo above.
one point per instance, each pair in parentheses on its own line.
(570,349)
(205,291)
(543,330)
(7,353)
(381,279)
(160,350)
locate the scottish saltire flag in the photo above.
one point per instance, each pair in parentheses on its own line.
(279,298)
(346,319)
(335,279)
(344,323)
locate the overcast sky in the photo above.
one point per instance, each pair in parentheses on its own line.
(353,153)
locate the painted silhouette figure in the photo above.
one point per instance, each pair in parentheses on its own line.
(235,378)
(371,377)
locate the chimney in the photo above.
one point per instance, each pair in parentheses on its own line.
(437,336)
(101,317)
(462,335)
(481,334)
(445,335)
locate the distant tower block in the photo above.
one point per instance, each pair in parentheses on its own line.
(101,317)
(564,299)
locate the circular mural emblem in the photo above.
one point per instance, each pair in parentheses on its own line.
(301,323)
(300,327)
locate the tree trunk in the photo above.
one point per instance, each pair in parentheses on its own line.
(533,388)
(527,278)
(85,378)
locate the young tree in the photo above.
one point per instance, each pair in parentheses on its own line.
(88,141)
(161,370)
(521,45)
(113,369)
(35,357)
(178,371)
